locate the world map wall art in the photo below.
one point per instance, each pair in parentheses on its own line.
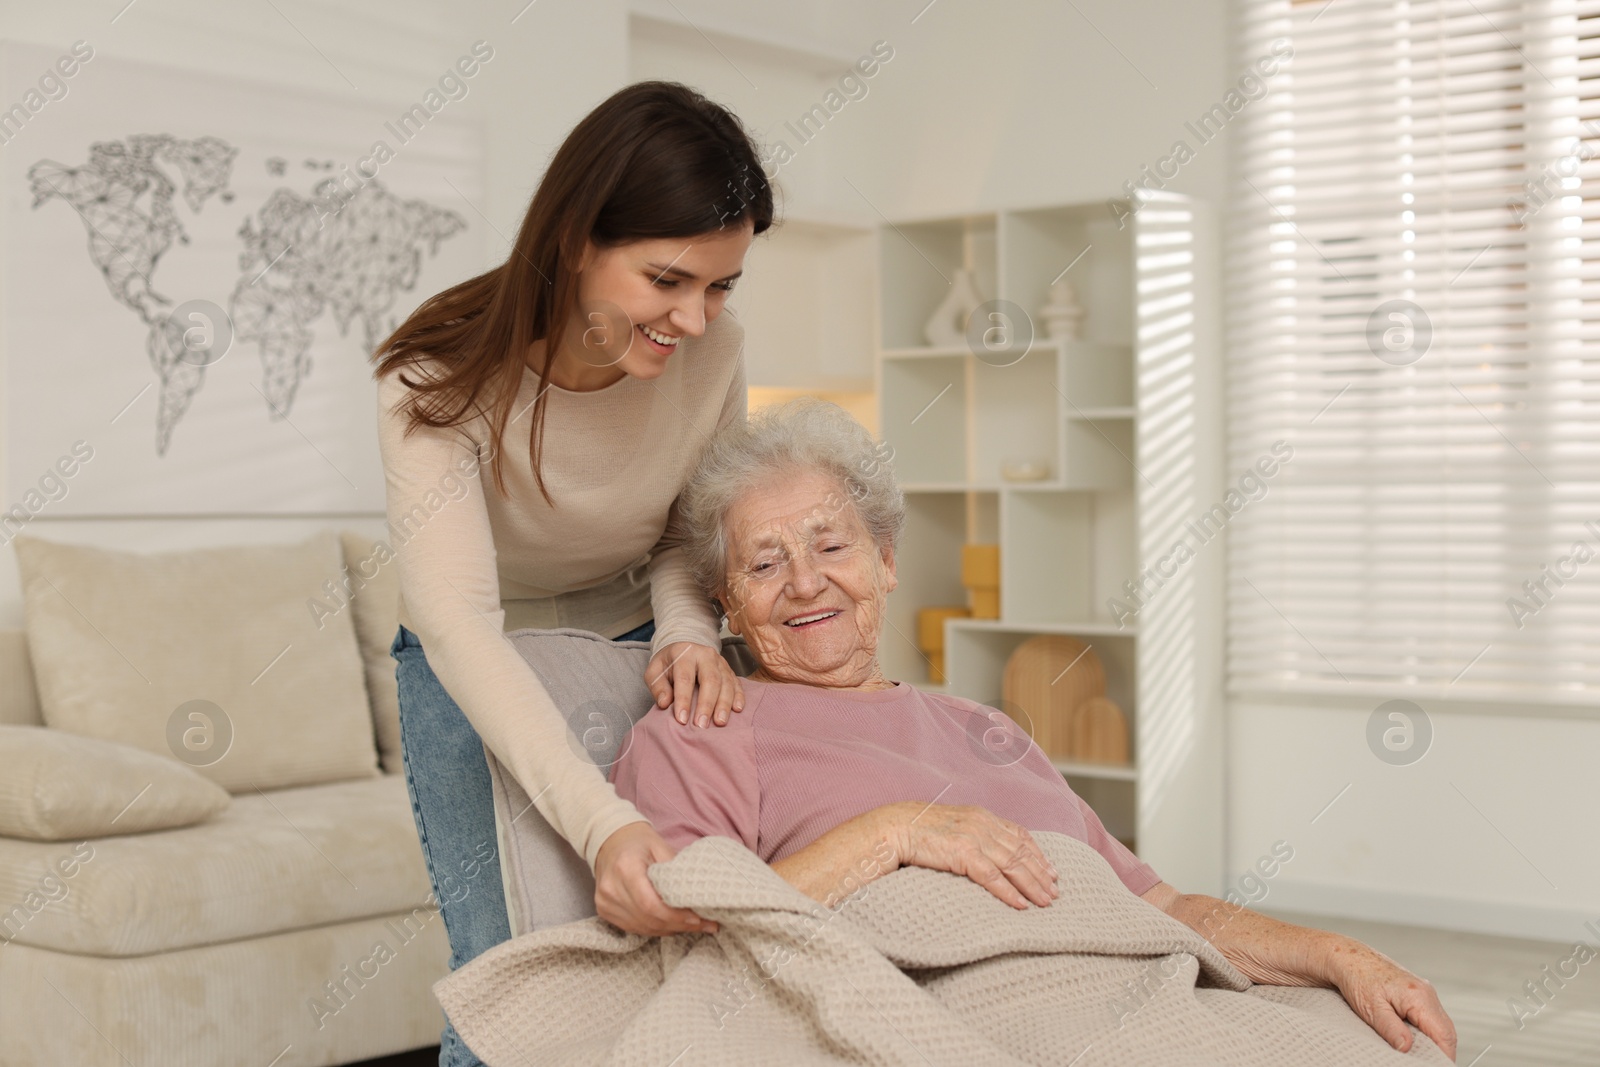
(196,271)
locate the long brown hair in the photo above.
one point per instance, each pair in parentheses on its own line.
(656,159)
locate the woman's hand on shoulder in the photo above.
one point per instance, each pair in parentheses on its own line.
(972,841)
(625,897)
(679,669)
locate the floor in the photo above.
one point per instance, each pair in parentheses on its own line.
(1476,975)
(422,1057)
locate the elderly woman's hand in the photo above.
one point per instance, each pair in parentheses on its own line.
(676,670)
(996,853)
(1387,996)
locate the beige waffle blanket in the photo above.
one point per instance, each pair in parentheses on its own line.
(920,967)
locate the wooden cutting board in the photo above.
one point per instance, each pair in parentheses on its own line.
(1045,680)
(1099,732)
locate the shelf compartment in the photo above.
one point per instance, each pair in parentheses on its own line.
(1081,242)
(1116,550)
(1095,375)
(928,566)
(1114,800)
(918,261)
(924,405)
(1099,454)
(1046,556)
(976,652)
(1015,412)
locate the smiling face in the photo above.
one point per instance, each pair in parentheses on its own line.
(805,584)
(638,300)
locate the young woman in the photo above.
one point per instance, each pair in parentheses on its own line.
(536,424)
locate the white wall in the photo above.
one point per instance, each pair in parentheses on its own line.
(1007,105)
(989,105)
(1492,830)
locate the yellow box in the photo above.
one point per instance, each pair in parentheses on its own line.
(936,668)
(980,566)
(930,626)
(985,603)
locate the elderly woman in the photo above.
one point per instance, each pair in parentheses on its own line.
(792,524)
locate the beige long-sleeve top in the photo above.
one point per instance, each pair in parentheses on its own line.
(475,563)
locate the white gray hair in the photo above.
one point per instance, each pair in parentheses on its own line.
(806,435)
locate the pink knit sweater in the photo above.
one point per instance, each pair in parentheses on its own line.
(800,760)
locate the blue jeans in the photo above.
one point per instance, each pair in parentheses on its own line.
(453,804)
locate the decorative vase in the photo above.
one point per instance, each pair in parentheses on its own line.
(1062,314)
(1045,680)
(947,326)
(980,573)
(930,637)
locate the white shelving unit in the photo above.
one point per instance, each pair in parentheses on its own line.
(1126,418)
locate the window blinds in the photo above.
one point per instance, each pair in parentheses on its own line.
(1413,309)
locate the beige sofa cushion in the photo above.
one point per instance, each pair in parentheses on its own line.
(272,862)
(58,786)
(19,698)
(211,655)
(375,585)
(265,1002)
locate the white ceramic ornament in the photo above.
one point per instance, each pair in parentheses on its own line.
(947,327)
(1062,314)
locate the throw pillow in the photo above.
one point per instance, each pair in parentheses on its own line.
(212,655)
(59,787)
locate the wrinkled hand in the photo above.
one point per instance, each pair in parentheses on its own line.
(625,897)
(996,853)
(674,673)
(1387,996)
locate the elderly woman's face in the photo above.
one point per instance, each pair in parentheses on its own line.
(805,582)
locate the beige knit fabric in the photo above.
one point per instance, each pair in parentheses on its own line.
(475,562)
(921,967)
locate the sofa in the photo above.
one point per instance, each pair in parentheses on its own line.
(164,904)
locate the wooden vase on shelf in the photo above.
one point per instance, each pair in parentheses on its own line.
(1099,733)
(1046,679)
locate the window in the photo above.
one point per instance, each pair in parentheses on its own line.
(1414,309)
